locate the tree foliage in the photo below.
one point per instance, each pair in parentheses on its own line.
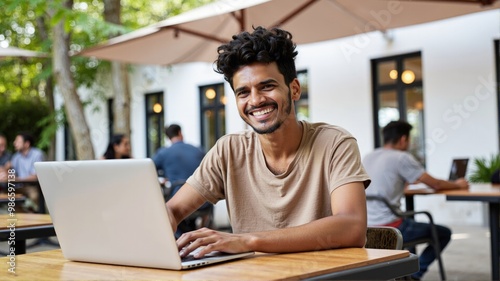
(18,115)
(27,24)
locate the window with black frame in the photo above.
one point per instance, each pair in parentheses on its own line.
(212,114)
(154,122)
(398,95)
(302,105)
(111,117)
(497,69)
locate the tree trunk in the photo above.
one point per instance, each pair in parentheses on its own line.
(49,87)
(121,103)
(66,85)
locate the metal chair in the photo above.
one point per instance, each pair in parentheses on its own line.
(410,245)
(383,237)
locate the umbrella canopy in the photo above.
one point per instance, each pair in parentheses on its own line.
(196,34)
(16,52)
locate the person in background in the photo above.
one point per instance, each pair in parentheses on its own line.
(391,168)
(118,148)
(289,185)
(23,163)
(178,162)
(5,156)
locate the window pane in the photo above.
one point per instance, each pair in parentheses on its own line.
(151,101)
(415,116)
(209,129)
(221,121)
(412,70)
(388,108)
(302,107)
(387,73)
(153,134)
(302,77)
(154,122)
(209,95)
(221,94)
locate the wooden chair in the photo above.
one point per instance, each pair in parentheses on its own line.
(434,240)
(383,237)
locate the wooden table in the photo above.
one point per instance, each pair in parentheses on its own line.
(491,195)
(19,184)
(22,226)
(351,263)
(5,199)
(479,193)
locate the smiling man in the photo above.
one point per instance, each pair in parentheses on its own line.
(289,185)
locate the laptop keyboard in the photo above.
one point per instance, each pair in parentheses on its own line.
(191,257)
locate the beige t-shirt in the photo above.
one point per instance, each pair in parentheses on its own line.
(257,200)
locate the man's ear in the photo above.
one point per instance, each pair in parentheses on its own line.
(295,89)
(397,144)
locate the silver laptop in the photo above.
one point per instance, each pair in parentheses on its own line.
(113,212)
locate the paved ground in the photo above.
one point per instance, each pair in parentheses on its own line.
(467,257)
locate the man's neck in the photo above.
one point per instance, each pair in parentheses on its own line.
(393,146)
(280,147)
(175,140)
(25,151)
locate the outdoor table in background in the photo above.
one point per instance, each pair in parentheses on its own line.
(489,194)
(27,226)
(41,200)
(5,199)
(486,193)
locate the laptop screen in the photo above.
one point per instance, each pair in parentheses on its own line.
(458,168)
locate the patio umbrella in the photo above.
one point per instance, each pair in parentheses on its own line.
(16,52)
(196,34)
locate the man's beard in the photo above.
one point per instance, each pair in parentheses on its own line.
(273,128)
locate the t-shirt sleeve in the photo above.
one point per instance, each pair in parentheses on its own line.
(345,165)
(208,178)
(409,168)
(38,157)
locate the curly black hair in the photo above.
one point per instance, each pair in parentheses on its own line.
(264,46)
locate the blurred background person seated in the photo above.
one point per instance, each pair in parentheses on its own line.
(118,148)
(23,163)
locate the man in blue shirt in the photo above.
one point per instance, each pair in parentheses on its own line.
(23,163)
(178,162)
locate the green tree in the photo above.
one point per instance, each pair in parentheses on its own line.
(20,115)
(63,28)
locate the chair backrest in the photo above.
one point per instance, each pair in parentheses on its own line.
(384,237)
(393,209)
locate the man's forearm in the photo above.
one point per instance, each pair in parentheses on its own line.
(327,233)
(28,178)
